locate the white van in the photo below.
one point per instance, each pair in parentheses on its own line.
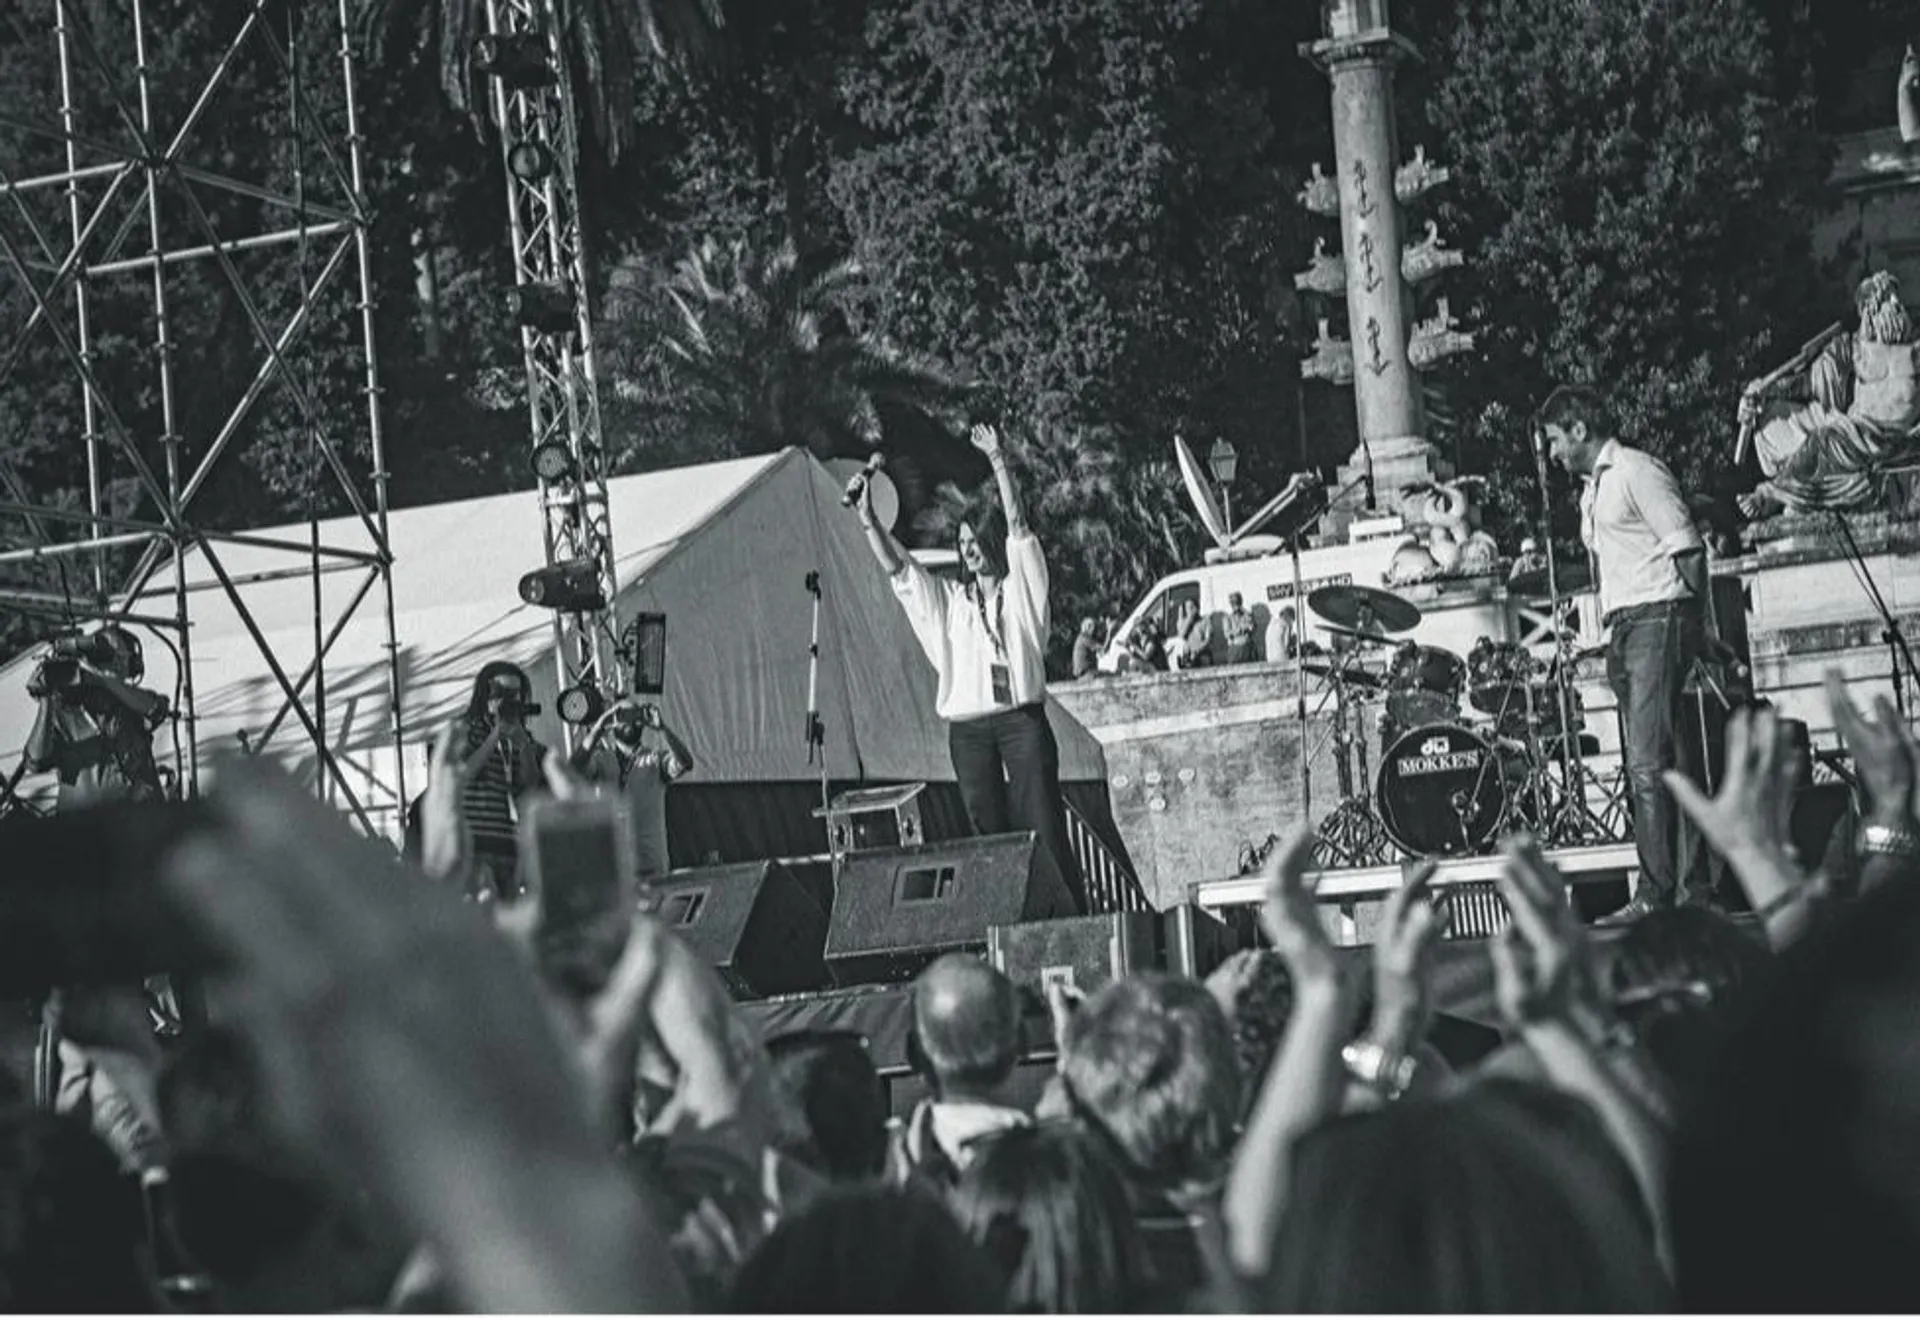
(1455,613)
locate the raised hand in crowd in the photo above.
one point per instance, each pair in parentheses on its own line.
(109,1067)
(665,1013)
(1887,759)
(1882,747)
(1304,1084)
(406,1049)
(1548,986)
(1747,821)
(1411,925)
(446,839)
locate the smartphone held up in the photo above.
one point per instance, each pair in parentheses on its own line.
(579,861)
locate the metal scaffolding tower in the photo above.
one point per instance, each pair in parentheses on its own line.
(117,186)
(533,110)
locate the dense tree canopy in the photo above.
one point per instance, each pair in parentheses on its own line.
(1081,210)
(1636,220)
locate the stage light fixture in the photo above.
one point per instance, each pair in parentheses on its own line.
(581,704)
(645,643)
(517,59)
(544,308)
(530,162)
(551,461)
(570,587)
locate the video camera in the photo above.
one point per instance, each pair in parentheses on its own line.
(515,709)
(111,649)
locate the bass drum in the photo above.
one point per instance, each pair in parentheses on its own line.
(1442,791)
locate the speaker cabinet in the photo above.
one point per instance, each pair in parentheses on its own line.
(1088,952)
(753,921)
(1082,952)
(897,909)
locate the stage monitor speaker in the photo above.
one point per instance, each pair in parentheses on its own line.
(897,909)
(753,921)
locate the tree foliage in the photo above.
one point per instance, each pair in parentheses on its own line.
(1636,220)
(742,351)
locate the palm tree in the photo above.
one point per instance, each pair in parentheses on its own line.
(606,42)
(747,353)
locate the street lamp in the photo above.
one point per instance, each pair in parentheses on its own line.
(1223,460)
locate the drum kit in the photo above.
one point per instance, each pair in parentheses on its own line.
(1470,748)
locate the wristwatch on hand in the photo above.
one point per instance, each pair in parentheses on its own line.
(1373,1066)
(1888,841)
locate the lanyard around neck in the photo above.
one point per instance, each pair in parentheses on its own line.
(996,626)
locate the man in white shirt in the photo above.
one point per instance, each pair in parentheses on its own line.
(1652,570)
(987,638)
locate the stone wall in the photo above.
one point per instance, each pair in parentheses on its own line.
(1205,761)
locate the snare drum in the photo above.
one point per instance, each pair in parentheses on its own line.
(1423,687)
(1442,791)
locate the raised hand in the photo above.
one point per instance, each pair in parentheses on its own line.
(1543,964)
(985,439)
(446,840)
(1884,751)
(1410,927)
(1746,816)
(1290,917)
(1063,1001)
(406,1049)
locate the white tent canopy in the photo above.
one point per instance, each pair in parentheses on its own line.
(722,549)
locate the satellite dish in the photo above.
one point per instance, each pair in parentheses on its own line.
(1202,496)
(886,496)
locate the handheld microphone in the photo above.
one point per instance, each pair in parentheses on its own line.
(858,486)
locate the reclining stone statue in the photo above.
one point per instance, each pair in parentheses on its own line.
(1823,433)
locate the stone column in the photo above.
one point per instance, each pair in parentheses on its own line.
(1359,54)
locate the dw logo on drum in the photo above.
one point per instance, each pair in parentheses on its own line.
(1437,746)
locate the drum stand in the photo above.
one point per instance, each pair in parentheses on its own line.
(1572,821)
(1351,834)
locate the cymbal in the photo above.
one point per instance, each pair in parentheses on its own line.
(1573,576)
(1352,677)
(1368,609)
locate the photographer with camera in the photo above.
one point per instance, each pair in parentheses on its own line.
(641,768)
(95,728)
(509,769)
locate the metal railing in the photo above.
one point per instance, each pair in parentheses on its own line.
(1111,884)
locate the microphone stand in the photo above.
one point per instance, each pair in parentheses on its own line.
(1300,654)
(816,733)
(1900,655)
(1572,765)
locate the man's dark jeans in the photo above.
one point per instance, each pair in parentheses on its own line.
(1649,657)
(1008,768)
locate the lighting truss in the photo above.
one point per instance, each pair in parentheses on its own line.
(141,192)
(563,401)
